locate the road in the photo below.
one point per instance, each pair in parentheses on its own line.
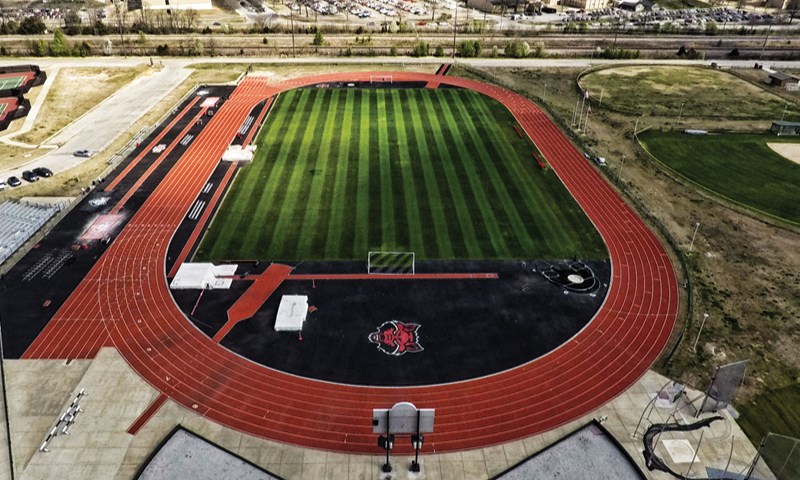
(99,127)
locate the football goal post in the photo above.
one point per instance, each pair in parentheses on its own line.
(391,263)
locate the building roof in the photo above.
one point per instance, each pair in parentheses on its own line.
(782,76)
(589,452)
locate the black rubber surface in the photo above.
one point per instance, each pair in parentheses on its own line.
(467,328)
(22,312)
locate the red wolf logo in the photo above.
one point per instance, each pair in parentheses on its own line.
(397,338)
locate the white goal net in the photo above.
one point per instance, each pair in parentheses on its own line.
(391,263)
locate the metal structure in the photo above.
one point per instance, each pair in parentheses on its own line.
(402,419)
(723,386)
(778,457)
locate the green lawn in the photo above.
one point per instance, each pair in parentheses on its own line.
(442,173)
(776,412)
(741,168)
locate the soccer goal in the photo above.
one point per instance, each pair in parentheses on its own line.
(381,78)
(391,263)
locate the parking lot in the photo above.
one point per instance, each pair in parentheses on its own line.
(677,18)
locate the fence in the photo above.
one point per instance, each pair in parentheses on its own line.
(779,458)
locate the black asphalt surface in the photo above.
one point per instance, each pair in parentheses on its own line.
(22,313)
(468,328)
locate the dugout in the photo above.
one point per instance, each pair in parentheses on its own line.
(785,128)
(780,79)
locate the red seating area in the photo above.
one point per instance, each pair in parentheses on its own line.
(125,302)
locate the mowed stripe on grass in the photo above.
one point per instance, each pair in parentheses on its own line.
(439,172)
(739,167)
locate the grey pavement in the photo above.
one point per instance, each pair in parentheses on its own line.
(99,127)
(99,447)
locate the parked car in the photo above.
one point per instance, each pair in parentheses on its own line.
(82,153)
(14,182)
(600,161)
(30,176)
(43,172)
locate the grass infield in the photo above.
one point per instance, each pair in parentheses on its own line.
(442,173)
(739,167)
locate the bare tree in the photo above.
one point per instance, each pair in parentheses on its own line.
(190,18)
(146,17)
(161,20)
(174,18)
(121,20)
(792,8)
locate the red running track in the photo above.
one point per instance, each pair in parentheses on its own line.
(125,302)
(254,297)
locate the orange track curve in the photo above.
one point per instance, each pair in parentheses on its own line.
(125,301)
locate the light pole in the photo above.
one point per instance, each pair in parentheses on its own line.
(636,126)
(705,316)
(5,404)
(784,111)
(575,110)
(619,171)
(691,244)
(765,41)
(455,29)
(680,113)
(291,20)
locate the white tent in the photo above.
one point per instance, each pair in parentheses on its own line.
(203,276)
(291,313)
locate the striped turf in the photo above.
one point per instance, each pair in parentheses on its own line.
(442,173)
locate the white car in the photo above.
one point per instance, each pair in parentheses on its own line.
(82,153)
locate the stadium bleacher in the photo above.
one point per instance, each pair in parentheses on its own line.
(19,222)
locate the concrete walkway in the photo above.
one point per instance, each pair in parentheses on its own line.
(99,446)
(100,126)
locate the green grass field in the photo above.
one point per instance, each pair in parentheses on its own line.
(738,167)
(776,412)
(340,172)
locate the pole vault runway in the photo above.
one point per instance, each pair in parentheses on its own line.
(125,302)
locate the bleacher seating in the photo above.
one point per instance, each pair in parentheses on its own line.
(19,222)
